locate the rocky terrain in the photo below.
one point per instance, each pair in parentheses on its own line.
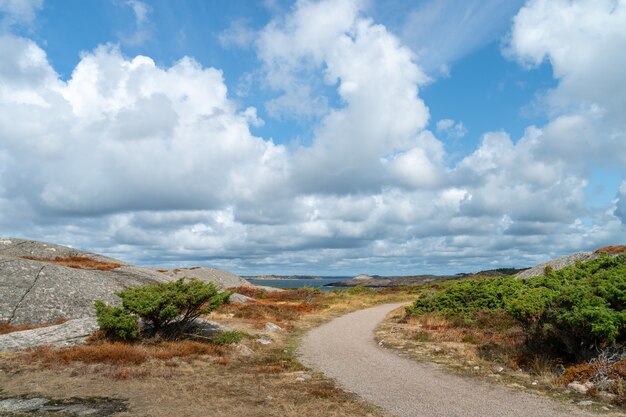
(43,283)
(376,281)
(559,263)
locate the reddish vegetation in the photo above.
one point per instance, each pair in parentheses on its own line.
(125,354)
(612,249)
(6,327)
(77,262)
(583,372)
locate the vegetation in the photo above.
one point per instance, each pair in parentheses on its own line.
(570,313)
(166,308)
(228,337)
(77,262)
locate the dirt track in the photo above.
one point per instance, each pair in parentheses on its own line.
(344,349)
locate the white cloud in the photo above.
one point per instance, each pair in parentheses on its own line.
(620,209)
(373,75)
(584,43)
(158,164)
(451,129)
(124,134)
(18,12)
(238,35)
(443,31)
(143,25)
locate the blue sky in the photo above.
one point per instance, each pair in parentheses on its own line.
(323,137)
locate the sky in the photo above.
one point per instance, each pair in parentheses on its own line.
(315,137)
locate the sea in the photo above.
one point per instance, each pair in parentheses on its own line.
(299,283)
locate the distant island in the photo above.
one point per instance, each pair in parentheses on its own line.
(278,277)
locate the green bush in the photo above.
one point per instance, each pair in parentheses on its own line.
(116,322)
(166,308)
(570,312)
(227,337)
(359,289)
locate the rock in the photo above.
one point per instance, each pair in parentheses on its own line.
(39,291)
(13,405)
(577,387)
(557,264)
(499,369)
(265,340)
(585,403)
(244,350)
(70,333)
(68,407)
(237,298)
(362,277)
(271,327)
(223,279)
(303,377)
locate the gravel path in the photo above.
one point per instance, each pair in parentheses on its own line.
(344,349)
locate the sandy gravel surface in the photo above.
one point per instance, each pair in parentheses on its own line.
(344,349)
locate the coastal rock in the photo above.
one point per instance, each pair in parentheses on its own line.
(41,282)
(557,264)
(70,333)
(236,298)
(223,279)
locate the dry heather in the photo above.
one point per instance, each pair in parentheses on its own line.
(612,249)
(6,327)
(186,378)
(118,353)
(77,262)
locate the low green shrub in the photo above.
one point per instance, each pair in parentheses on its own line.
(569,313)
(166,308)
(359,289)
(228,337)
(116,322)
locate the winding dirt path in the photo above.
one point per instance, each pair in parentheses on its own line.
(344,349)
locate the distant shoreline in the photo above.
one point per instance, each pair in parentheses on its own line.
(280,277)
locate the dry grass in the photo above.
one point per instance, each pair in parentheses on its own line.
(6,327)
(158,380)
(122,353)
(612,249)
(77,262)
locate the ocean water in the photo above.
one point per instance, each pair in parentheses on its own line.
(299,283)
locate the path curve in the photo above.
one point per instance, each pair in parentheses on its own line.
(344,350)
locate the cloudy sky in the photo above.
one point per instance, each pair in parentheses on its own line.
(323,137)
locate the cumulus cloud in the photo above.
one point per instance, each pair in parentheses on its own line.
(374,74)
(158,164)
(583,42)
(124,134)
(18,12)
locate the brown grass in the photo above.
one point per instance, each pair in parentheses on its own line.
(77,262)
(612,249)
(265,382)
(122,353)
(6,327)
